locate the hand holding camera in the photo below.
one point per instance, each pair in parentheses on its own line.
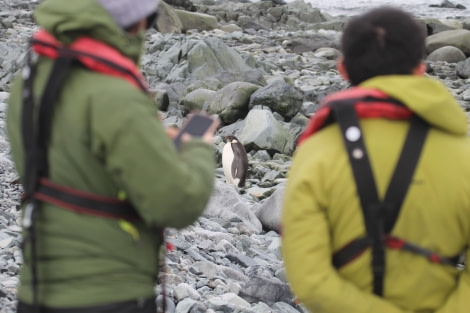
(197,125)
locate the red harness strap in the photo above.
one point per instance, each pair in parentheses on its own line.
(371,103)
(93,54)
(83,202)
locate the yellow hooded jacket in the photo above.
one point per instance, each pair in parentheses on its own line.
(322,212)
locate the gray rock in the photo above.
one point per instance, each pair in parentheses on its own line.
(199,307)
(211,56)
(447,54)
(170,305)
(466,23)
(231,102)
(241,259)
(463,69)
(263,132)
(301,45)
(231,28)
(4,96)
(262,155)
(337,25)
(265,290)
(434,26)
(162,63)
(233,274)
(282,307)
(226,203)
(179,244)
(258,308)
(196,99)
(281,97)
(227,303)
(195,20)
(327,53)
(459,38)
(162,101)
(168,21)
(447,4)
(184,290)
(209,84)
(207,269)
(174,91)
(185,305)
(171,279)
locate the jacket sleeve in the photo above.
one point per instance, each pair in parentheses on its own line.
(307,250)
(168,188)
(459,300)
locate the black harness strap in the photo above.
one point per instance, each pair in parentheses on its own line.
(46,108)
(37,187)
(29,181)
(376,212)
(351,251)
(404,170)
(36,149)
(28,128)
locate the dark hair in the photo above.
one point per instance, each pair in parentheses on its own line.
(383,41)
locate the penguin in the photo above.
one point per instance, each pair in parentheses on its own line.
(234,161)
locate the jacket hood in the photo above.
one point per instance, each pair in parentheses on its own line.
(425,96)
(68,20)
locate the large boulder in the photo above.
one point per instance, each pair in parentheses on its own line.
(280,97)
(265,289)
(261,131)
(434,26)
(448,54)
(459,38)
(199,21)
(314,42)
(179,59)
(195,99)
(168,21)
(227,204)
(211,57)
(270,212)
(231,102)
(448,5)
(463,69)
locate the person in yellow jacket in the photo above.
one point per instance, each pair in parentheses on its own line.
(382,54)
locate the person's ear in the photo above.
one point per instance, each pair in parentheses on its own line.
(342,68)
(420,69)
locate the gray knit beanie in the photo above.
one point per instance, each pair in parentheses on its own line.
(128,12)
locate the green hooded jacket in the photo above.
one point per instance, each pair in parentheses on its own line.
(106,139)
(322,212)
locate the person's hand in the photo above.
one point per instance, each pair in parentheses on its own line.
(208,136)
(172,132)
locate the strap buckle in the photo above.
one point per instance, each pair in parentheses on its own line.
(27,221)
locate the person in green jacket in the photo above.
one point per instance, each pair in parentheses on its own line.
(107,142)
(383,52)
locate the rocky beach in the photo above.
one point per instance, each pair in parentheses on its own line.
(263,68)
